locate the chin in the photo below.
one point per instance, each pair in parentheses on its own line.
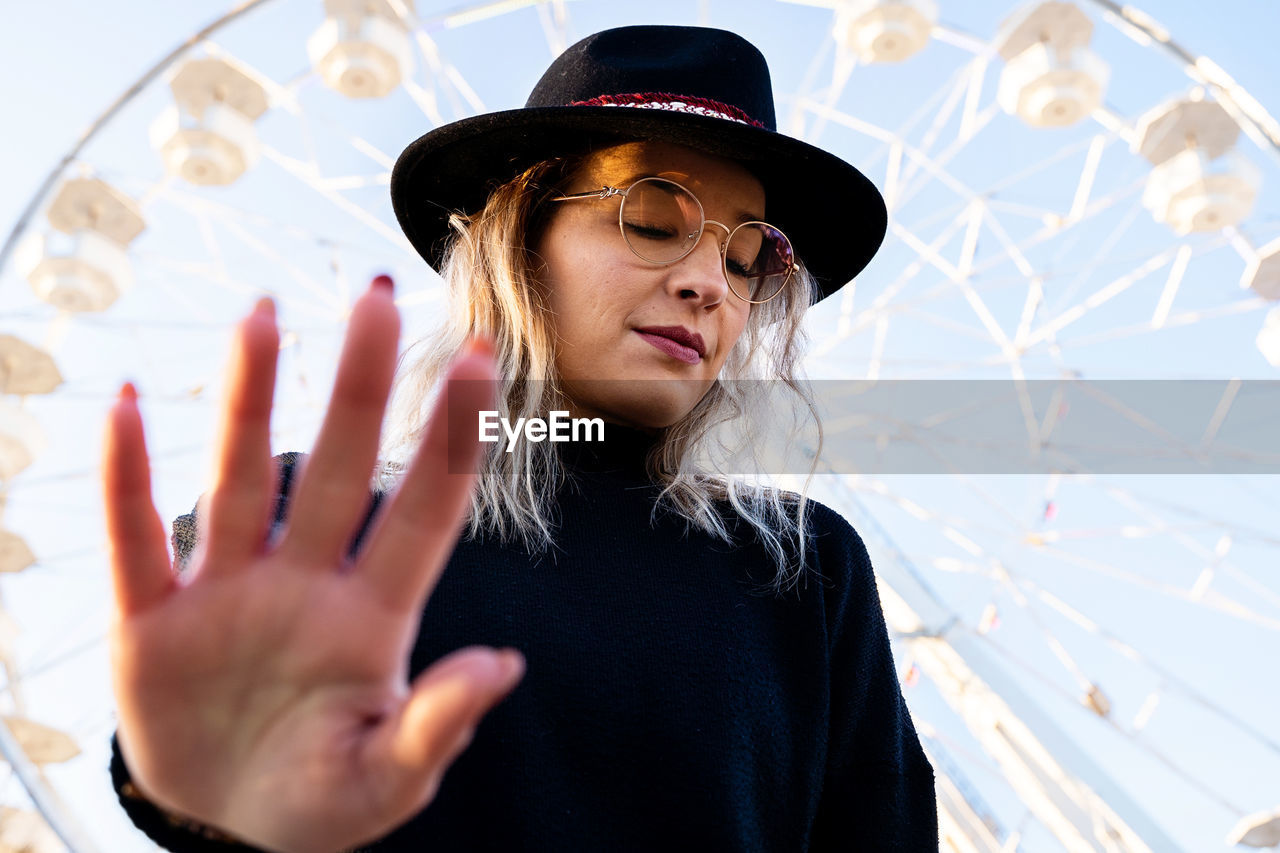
(647,415)
(641,409)
(660,419)
(642,403)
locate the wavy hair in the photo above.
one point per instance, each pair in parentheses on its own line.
(493,289)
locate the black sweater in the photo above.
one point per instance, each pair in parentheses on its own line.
(667,704)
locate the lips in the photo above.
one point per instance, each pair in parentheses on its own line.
(686,340)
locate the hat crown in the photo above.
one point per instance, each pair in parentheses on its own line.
(693,62)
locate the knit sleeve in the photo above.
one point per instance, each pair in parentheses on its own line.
(169,831)
(878,791)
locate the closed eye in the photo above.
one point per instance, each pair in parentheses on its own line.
(653,232)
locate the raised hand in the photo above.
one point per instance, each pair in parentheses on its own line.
(267,695)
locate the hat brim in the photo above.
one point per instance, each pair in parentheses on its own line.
(834,215)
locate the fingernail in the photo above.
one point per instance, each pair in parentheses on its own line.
(464,740)
(128,392)
(265,305)
(384,282)
(513,665)
(478,344)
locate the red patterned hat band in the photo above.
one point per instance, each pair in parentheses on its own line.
(673,103)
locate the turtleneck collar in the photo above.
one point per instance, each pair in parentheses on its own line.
(623,450)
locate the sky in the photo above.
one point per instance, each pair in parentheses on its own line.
(66,61)
(62,63)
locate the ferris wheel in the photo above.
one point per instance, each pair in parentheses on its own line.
(1073,194)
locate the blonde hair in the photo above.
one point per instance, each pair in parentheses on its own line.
(489,272)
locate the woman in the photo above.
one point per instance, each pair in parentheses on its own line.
(672,699)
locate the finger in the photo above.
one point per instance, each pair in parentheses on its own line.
(235,524)
(410,751)
(136,549)
(333,493)
(415,533)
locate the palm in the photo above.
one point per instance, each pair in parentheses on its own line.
(281,672)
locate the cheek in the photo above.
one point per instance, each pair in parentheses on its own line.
(581,308)
(560,278)
(587,315)
(734,328)
(586,292)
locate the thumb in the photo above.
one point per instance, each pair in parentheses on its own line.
(446,702)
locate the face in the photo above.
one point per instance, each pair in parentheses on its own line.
(613,312)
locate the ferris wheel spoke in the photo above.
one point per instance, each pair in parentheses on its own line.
(1088,174)
(1215,559)
(961,533)
(1168,678)
(952,35)
(554,18)
(1185,318)
(941,321)
(460,84)
(434,63)
(971,122)
(959,275)
(966,527)
(941,98)
(878,305)
(222,212)
(794,124)
(1219,604)
(842,69)
(1196,514)
(1184,774)
(1084,273)
(1055,229)
(360,214)
(1100,297)
(1071,150)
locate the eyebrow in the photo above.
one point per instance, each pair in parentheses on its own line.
(743,215)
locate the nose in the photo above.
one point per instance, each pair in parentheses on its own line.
(699,275)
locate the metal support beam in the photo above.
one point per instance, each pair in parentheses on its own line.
(1068,792)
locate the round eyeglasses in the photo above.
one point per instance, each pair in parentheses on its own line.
(662,221)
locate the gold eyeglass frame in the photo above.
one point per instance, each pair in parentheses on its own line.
(609,192)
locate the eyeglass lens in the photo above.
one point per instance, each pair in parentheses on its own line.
(661,221)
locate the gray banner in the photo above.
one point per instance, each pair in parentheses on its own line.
(974,427)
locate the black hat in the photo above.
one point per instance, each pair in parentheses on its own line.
(702,88)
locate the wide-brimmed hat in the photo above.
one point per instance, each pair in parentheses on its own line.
(703,88)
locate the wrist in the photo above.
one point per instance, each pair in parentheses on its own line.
(130,790)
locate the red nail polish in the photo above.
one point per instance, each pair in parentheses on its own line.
(128,392)
(476,346)
(385,282)
(265,305)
